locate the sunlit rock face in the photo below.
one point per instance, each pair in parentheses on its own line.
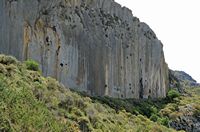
(95,46)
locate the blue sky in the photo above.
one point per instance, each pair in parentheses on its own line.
(177,24)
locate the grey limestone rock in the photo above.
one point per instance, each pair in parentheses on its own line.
(95,46)
(186,123)
(185,79)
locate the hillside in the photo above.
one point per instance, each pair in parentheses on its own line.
(31,102)
(184,111)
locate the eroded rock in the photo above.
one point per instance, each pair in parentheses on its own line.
(95,46)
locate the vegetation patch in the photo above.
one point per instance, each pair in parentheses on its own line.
(172,94)
(32,65)
(30,102)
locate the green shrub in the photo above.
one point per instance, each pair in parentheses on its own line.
(173,94)
(154,117)
(32,65)
(161,120)
(154,110)
(147,108)
(164,121)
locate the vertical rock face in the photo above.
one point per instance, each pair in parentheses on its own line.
(95,46)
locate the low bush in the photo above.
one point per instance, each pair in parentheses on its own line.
(7,60)
(163,121)
(32,65)
(159,119)
(173,94)
(154,117)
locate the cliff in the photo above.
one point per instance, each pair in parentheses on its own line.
(95,46)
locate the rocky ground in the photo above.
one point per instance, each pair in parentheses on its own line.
(185,113)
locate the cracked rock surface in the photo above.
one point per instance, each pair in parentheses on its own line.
(95,46)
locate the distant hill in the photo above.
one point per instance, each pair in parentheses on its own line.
(185,79)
